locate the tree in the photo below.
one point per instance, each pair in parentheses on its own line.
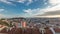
(4,23)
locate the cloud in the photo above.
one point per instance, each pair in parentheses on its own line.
(23,1)
(31,12)
(20,1)
(46,12)
(2,16)
(5,1)
(54,2)
(27,11)
(45,3)
(29,2)
(50,10)
(51,13)
(1,10)
(6,16)
(54,5)
(49,16)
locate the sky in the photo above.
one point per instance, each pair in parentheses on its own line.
(29,8)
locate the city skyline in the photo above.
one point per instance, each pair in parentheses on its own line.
(29,8)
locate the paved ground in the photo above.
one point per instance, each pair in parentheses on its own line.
(57,33)
(3,33)
(6,33)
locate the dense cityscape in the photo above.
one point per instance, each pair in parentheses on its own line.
(29,16)
(30,25)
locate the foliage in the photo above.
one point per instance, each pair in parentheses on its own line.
(4,23)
